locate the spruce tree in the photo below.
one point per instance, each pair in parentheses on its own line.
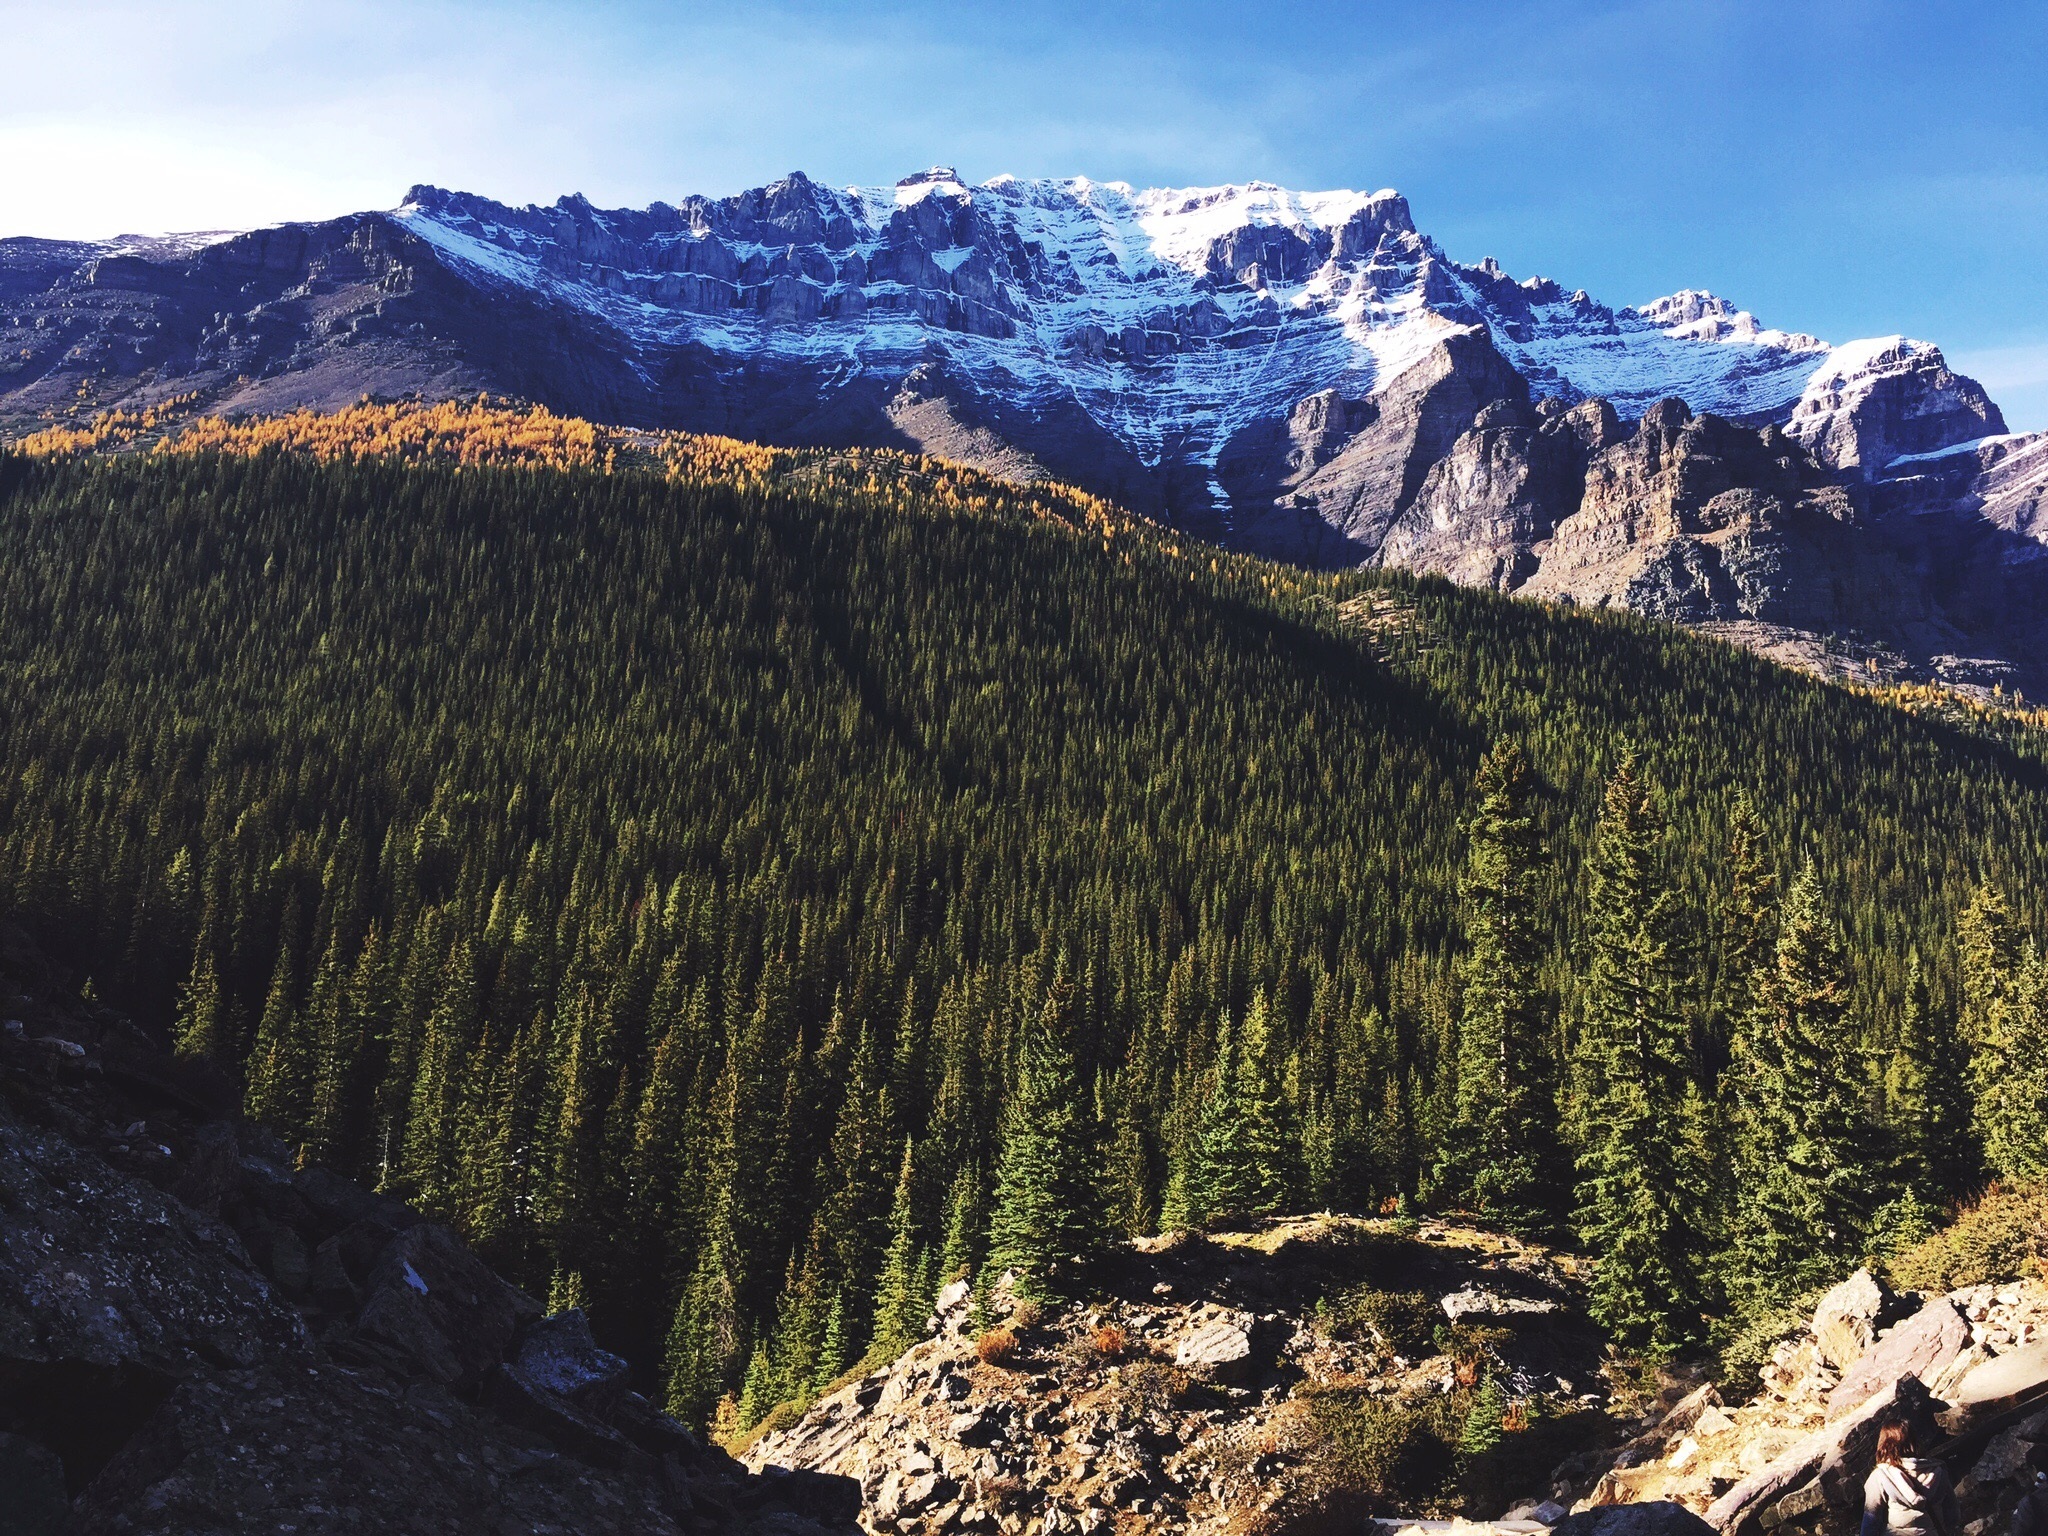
(2010,1073)
(1803,1215)
(280,1087)
(966,1227)
(1247,1157)
(1639,1193)
(1048,1219)
(201,1029)
(1497,1157)
(1928,1101)
(899,1305)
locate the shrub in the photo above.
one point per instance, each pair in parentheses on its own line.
(1146,1387)
(996,1347)
(1026,1315)
(2004,1236)
(1401,1320)
(1109,1341)
(1383,1454)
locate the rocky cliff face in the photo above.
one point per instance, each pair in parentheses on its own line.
(195,1336)
(1301,374)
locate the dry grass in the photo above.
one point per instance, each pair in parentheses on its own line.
(997,1347)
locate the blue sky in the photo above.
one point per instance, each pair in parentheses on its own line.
(1849,168)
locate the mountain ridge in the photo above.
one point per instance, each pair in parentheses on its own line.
(1281,372)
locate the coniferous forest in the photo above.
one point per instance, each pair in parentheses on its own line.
(742,904)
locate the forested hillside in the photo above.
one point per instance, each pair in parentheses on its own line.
(740,899)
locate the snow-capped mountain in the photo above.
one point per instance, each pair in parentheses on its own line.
(1174,318)
(1282,370)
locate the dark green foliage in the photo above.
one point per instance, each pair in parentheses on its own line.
(1805,1212)
(2005,998)
(1642,1180)
(2003,1236)
(626,870)
(1048,1220)
(1499,1154)
(1245,1160)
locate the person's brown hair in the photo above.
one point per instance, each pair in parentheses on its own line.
(1894,1439)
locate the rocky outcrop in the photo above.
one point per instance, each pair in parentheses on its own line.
(1497,495)
(194,1335)
(1878,401)
(1187,1388)
(1969,1366)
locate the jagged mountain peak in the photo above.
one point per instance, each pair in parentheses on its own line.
(1287,371)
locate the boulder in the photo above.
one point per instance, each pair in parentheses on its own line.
(1922,1346)
(434,1310)
(1222,1350)
(1838,1455)
(1477,1301)
(559,1354)
(2008,1376)
(1846,1321)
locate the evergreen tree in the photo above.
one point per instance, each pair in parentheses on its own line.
(900,1305)
(1497,1158)
(1927,1099)
(1805,1214)
(2010,1074)
(1639,1192)
(281,1060)
(966,1227)
(200,1028)
(1247,1160)
(1048,1218)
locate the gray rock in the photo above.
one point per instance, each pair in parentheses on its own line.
(2004,1376)
(559,1354)
(1223,1350)
(1922,1346)
(434,1310)
(102,1271)
(1845,1323)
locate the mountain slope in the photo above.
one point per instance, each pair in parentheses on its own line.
(1280,371)
(629,867)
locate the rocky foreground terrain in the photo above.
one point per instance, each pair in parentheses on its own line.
(194,1337)
(197,1337)
(1304,375)
(1200,1392)
(1209,1380)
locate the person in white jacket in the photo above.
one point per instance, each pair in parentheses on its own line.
(1905,1496)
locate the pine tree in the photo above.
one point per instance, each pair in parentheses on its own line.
(1638,1194)
(1247,1157)
(1048,1209)
(432,1146)
(1804,1216)
(899,1307)
(281,1060)
(201,1028)
(1497,1157)
(2010,1073)
(1927,1099)
(966,1227)
(1746,932)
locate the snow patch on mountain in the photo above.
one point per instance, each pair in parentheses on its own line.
(1174,317)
